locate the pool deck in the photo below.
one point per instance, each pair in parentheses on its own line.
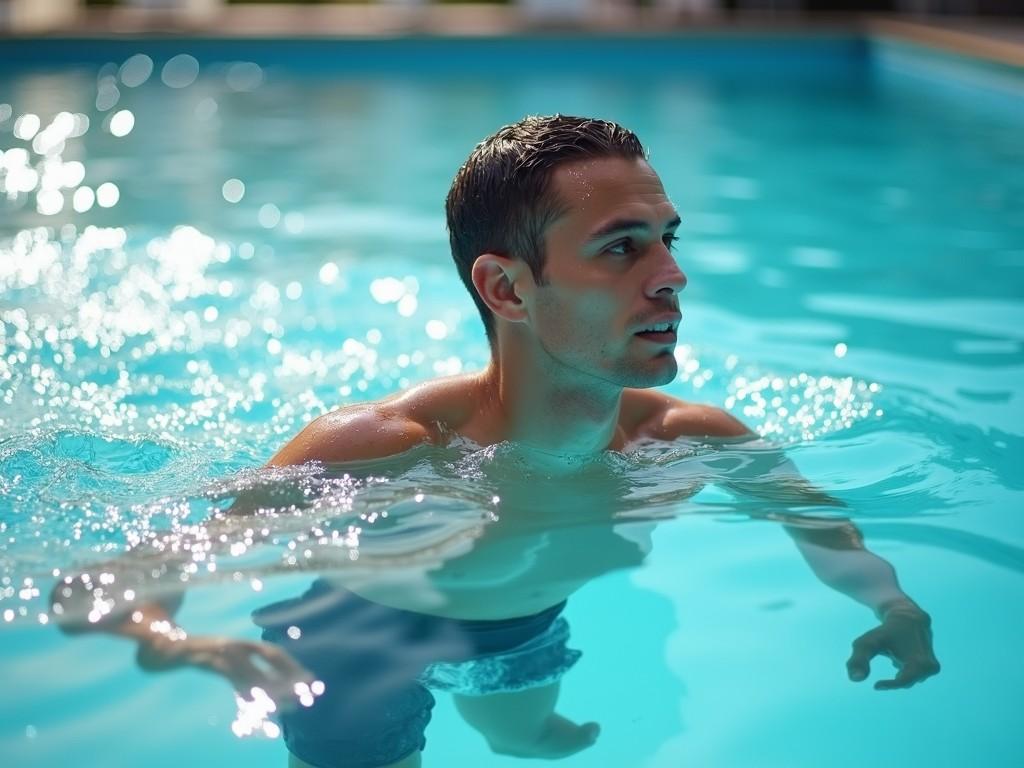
(1000,40)
(983,40)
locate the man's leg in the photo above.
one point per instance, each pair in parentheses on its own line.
(524,723)
(412,761)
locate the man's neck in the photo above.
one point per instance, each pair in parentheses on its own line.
(551,414)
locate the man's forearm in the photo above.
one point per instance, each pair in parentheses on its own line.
(835,551)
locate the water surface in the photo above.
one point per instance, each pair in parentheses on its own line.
(258,245)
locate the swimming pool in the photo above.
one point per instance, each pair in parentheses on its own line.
(263,239)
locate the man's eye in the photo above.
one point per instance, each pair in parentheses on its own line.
(626,247)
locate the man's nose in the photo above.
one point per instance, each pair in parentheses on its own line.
(669,279)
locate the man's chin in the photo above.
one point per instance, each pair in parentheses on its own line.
(667,378)
(654,373)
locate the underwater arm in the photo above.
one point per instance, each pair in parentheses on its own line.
(835,551)
(81,606)
(129,596)
(98,601)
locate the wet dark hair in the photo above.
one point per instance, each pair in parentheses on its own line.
(501,200)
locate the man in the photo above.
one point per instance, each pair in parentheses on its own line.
(563,234)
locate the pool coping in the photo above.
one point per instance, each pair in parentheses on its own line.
(1002,46)
(998,41)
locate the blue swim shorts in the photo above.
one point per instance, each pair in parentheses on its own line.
(378,663)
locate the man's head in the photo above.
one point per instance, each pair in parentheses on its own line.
(562,232)
(502,199)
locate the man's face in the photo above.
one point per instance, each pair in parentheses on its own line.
(610,275)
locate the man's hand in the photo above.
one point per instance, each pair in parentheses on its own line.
(245,664)
(905,636)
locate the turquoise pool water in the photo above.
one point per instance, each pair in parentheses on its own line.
(262,239)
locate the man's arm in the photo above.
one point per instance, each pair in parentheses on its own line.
(835,551)
(163,645)
(90,602)
(834,548)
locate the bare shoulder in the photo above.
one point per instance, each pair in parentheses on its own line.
(656,415)
(352,433)
(378,429)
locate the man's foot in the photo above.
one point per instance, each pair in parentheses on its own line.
(559,738)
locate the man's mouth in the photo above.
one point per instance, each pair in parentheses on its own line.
(659,337)
(663,332)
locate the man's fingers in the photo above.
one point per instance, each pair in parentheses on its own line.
(282,663)
(268,659)
(243,673)
(256,670)
(909,674)
(865,647)
(905,678)
(858,669)
(283,679)
(906,640)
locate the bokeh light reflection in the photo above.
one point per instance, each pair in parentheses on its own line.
(180,71)
(136,70)
(121,123)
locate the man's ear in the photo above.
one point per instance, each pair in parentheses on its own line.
(499,280)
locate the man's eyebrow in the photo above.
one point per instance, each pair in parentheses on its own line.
(626,225)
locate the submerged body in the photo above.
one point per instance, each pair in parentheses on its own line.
(557,529)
